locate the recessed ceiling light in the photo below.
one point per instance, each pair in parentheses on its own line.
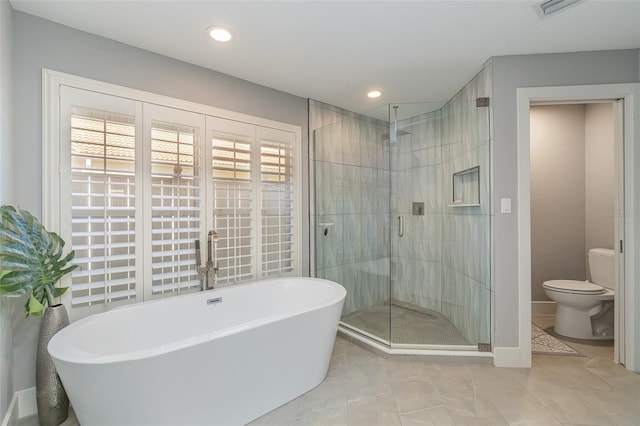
(220,33)
(374,94)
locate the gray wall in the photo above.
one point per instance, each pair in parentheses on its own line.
(557,195)
(510,73)
(599,177)
(6,139)
(43,44)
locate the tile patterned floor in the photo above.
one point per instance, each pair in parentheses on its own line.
(363,389)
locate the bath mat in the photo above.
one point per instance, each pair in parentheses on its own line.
(543,343)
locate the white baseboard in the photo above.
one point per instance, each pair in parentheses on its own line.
(23,404)
(510,358)
(543,308)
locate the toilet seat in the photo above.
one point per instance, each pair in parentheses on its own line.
(574,287)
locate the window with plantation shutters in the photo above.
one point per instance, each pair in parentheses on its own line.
(138,183)
(253,189)
(276,193)
(175,207)
(103,206)
(233,206)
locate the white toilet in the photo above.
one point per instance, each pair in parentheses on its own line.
(585,310)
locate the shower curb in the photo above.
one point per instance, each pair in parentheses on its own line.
(433,356)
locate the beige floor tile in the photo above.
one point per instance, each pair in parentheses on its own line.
(484,375)
(403,370)
(456,388)
(445,372)
(329,417)
(518,406)
(436,416)
(566,405)
(379,410)
(623,408)
(282,416)
(576,377)
(615,375)
(485,408)
(575,424)
(354,350)
(532,376)
(414,396)
(480,421)
(340,346)
(361,388)
(366,368)
(462,407)
(329,394)
(338,367)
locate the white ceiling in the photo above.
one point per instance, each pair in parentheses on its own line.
(335,51)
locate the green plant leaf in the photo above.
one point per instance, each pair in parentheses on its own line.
(55,291)
(11,286)
(32,259)
(33,307)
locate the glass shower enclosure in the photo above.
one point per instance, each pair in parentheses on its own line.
(401,218)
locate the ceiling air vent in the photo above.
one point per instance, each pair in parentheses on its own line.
(552,6)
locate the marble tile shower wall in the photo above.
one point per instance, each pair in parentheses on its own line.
(351,169)
(443,260)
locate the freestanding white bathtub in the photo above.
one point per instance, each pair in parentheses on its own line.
(220,357)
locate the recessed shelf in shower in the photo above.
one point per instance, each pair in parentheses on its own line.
(466,188)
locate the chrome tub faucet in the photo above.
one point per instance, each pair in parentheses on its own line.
(208,272)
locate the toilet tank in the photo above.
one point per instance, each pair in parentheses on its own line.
(601,264)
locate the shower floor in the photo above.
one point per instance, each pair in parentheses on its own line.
(410,325)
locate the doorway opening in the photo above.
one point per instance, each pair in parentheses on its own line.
(626,303)
(573,190)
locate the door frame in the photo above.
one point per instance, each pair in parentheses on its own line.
(628,309)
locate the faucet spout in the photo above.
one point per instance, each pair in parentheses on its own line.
(208,271)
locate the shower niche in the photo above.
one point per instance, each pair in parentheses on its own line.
(417,272)
(466,188)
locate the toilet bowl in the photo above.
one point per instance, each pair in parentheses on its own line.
(585,309)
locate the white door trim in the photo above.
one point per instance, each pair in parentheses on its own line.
(630,95)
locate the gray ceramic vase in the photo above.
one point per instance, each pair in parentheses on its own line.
(53,403)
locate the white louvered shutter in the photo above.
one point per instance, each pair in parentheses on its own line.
(277,198)
(233,200)
(253,201)
(176,206)
(99,167)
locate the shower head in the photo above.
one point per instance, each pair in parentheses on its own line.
(399,133)
(394,130)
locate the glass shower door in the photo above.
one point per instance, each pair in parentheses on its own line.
(351,214)
(440,247)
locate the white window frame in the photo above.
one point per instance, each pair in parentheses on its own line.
(51,182)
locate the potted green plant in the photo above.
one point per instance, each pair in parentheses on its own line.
(32,261)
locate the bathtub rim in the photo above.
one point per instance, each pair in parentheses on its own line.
(71,354)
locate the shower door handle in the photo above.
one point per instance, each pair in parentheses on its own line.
(400,226)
